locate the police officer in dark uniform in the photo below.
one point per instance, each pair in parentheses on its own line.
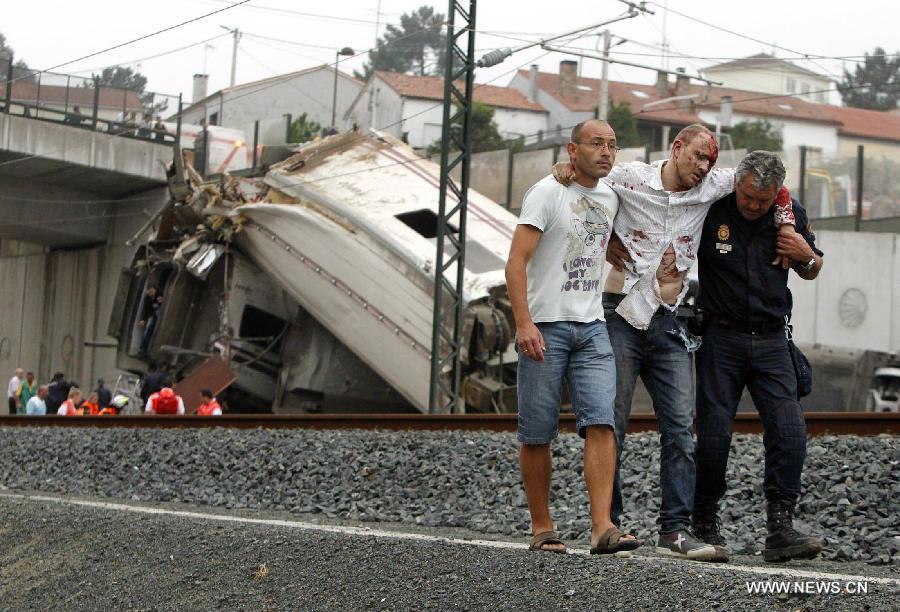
(745,301)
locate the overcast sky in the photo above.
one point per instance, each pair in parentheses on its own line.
(46,34)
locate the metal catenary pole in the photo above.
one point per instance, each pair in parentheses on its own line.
(446,379)
(860,182)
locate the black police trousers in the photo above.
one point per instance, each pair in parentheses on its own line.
(727,361)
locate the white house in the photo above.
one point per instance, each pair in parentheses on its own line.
(768,74)
(270,100)
(411,107)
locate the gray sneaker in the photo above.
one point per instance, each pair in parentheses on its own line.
(684,545)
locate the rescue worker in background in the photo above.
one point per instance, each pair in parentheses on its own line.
(165,402)
(116,406)
(91,406)
(209,406)
(70,406)
(104,395)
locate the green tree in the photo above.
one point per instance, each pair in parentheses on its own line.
(418,46)
(758,135)
(122,77)
(623,123)
(303,130)
(485,136)
(875,84)
(20,68)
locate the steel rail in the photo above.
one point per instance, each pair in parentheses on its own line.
(817,423)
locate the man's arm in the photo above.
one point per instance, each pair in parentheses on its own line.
(524,242)
(795,247)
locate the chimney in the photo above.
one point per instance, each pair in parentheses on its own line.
(681,82)
(568,74)
(662,85)
(533,83)
(200,83)
(725,109)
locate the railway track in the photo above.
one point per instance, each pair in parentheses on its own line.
(817,423)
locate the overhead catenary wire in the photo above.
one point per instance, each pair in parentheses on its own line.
(144,37)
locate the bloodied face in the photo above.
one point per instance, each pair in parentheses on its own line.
(694,159)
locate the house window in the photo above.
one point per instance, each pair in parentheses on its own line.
(791,85)
(214,119)
(804,89)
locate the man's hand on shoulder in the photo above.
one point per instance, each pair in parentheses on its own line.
(564,172)
(786,233)
(616,253)
(793,247)
(531,341)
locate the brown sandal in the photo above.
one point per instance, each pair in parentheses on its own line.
(543,538)
(612,541)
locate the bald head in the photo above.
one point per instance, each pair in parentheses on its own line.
(576,131)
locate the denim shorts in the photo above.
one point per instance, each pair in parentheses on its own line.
(579,354)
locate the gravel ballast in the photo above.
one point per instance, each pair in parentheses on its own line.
(447,479)
(55,557)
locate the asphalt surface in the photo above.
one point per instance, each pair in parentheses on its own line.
(62,556)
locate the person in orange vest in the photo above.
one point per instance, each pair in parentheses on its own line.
(68,407)
(116,406)
(91,406)
(209,406)
(166,401)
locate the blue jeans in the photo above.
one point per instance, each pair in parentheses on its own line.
(727,362)
(661,358)
(577,353)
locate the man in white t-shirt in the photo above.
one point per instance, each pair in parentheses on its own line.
(553,275)
(12,390)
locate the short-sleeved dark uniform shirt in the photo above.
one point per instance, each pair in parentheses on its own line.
(737,279)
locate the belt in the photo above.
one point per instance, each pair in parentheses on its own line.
(612,300)
(748,327)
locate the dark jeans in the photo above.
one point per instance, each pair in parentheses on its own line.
(659,355)
(149,328)
(728,361)
(12,405)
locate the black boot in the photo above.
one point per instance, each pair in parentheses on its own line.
(784,542)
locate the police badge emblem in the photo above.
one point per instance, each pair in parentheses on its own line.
(723,232)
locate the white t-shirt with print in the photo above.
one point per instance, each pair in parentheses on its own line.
(566,268)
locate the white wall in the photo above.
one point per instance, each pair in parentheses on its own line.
(794,133)
(309,93)
(773,81)
(421,119)
(855,301)
(559,115)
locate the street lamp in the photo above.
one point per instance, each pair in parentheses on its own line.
(346,51)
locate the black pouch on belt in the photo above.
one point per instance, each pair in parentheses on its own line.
(801,364)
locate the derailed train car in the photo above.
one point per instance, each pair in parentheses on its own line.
(314,282)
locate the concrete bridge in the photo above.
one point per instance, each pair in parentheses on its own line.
(62,186)
(69,200)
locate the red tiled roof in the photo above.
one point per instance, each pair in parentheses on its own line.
(637,95)
(110,97)
(865,123)
(432,88)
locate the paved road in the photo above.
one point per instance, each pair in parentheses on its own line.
(58,553)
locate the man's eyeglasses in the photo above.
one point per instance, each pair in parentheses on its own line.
(599,144)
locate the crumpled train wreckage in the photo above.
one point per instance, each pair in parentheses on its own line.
(310,284)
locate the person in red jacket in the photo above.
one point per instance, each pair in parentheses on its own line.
(209,406)
(69,407)
(165,402)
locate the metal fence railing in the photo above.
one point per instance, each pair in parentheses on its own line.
(86,103)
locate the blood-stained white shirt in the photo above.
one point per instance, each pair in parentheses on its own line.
(650,219)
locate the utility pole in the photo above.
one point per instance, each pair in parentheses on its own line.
(237,38)
(603,109)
